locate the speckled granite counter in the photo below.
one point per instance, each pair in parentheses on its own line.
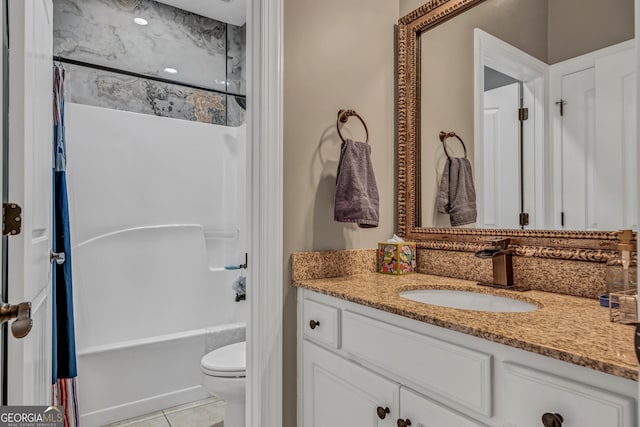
(568,328)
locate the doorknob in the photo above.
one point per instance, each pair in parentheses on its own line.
(22,313)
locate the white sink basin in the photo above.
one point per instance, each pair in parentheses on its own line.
(468,300)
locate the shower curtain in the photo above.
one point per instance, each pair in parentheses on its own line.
(64,348)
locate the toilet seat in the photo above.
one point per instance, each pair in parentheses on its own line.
(227,361)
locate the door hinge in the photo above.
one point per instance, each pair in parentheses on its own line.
(11,219)
(523,114)
(561,103)
(524,219)
(562,219)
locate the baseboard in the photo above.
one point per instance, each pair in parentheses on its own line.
(142,407)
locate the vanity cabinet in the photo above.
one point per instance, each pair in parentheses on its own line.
(373,368)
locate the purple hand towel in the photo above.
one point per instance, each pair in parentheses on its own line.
(356,190)
(457,194)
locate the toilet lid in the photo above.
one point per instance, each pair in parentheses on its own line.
(227,361)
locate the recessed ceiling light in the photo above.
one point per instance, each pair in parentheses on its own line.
(170,70)
(141,21)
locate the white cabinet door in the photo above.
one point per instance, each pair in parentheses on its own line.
(340,393)
(533,393)
(416,410)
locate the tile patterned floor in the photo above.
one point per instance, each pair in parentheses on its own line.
(203,413)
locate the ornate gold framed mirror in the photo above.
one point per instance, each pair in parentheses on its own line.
(542,189)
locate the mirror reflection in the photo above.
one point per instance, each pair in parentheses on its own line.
(542,93)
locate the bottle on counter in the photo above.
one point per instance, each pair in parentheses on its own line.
(622,269)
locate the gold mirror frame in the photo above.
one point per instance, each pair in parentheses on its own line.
(579,245)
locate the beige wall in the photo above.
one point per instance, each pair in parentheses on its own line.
(337,54)
(577,27)
(448,80)
(407,6)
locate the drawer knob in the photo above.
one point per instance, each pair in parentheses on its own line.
(404,423)
(313,324)
(382,412)
(552,420)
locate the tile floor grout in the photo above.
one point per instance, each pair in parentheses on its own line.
(166,418)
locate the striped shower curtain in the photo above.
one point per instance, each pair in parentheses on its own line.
(64,346)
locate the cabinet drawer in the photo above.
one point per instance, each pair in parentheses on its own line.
(321,323)
(531,393)
(460,375)
(421,411)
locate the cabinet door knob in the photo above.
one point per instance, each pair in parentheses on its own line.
(552,420)
(404,423)
(313,324)
(382,412)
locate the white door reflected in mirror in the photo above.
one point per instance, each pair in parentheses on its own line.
(574,171)
(592,143)
(500,156)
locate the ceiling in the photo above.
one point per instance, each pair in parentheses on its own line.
(230,11)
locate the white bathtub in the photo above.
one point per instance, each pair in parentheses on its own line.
(140,298)
(127,379)
(157,210)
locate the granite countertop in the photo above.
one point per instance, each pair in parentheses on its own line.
(568,328)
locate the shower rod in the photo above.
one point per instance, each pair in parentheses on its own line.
(141,76)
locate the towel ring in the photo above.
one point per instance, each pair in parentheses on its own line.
(343,116)
(443,138)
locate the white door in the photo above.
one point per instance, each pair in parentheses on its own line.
(578,151)
(3,296)
(599,147)
(29,180)
(499,204)
(616,150)
(341,393)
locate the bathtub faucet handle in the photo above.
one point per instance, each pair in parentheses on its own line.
(239,267)
(246,261)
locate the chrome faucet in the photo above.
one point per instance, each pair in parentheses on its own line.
(501,257)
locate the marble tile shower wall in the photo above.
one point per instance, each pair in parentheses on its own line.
(207,53)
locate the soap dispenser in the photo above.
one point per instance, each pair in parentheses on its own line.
(622,269)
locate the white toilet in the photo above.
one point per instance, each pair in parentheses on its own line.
(224,376)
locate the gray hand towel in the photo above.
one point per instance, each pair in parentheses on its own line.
(356,190)
(457,194)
